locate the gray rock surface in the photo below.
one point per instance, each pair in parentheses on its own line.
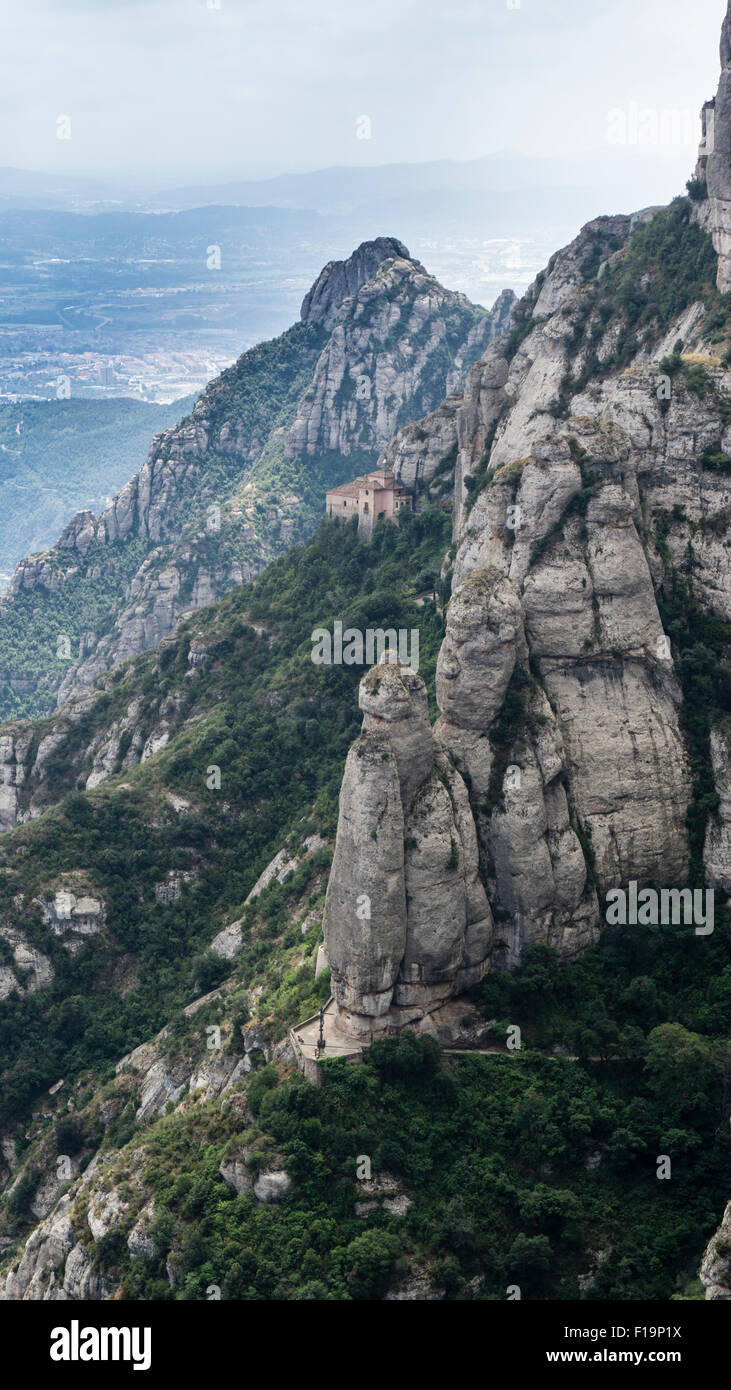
(478,655)
(338,280)
(406,922)
(384,340)
(715,1270)
(364,923)
(30,972)
(561,715)
(54,1266)
(272,1186)
(718,833)
(234,1170)
(714,161)
(369,356)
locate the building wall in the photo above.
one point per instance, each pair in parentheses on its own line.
(369,505)
(343,507)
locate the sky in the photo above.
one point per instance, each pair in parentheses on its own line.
(182,91)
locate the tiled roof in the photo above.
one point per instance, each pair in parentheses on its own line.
(347,490)
(380,480)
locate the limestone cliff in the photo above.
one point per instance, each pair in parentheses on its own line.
(715,1270)
(338,280)
(73,1212)
(582,741)
(424,452)
(718,839)
(406,919)
(397,341)
(591,449)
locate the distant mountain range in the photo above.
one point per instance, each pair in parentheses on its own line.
(343,189)
(111,284)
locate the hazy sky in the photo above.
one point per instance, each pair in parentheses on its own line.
(172,90)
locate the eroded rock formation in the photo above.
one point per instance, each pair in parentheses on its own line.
(715,1270)
(379,343)
(406,919)
(587,480)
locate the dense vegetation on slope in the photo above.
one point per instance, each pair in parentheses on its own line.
(278,728)
(260,394)
(497,1197)
(667,264)
(516,1168)
(538,1167)
(39,639)
(521,1170)
(223,498)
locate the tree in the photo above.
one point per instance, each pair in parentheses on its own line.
(368,1261)
(549,1208)
(678,1067)
(528,1261)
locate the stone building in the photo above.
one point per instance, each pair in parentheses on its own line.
(369,498)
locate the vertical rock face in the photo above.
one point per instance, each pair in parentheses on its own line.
(714,160)
(419,450)
(718,835)
(478,654)
(532,862)
(595,755)
(365,911)
(715,1270)
(449,924)
(394,704)
(561,768)
(385,360)
(13,751)
(340,279)
(501,314)
(406,918)
(428,446)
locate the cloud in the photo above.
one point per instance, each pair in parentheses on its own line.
(178,90)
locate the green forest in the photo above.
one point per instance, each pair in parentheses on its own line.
(584,1151)
(624,1057)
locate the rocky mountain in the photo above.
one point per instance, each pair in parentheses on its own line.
(205,847)
(602,458)
(244,475)
(584,685)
